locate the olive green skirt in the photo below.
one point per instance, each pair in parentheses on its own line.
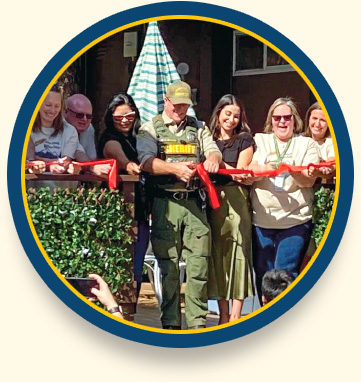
(231,275)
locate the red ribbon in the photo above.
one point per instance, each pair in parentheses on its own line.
(112,174)
(213,198)
(203,174)
(282,168)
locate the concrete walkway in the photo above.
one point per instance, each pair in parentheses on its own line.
(148,311)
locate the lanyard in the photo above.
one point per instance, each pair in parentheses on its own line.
(279,156)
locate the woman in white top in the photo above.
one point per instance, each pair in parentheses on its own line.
(282,205)
(50,139)
(317,129)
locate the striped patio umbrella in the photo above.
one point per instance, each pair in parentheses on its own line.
(153,72)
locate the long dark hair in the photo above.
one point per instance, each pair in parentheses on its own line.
(228,99)
(315,106)
(117,99)
(58,121)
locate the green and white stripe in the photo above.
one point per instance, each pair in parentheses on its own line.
(153,72)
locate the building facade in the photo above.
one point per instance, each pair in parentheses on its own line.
(220,61)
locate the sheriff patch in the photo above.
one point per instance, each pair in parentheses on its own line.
(187,149)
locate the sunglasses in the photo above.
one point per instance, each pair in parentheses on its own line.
(80,115)
(129,116)
(287,117)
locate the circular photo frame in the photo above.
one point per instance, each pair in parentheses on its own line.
(290,55)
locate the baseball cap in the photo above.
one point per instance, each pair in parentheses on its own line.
(179,92)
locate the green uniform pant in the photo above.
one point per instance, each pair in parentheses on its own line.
(180,229)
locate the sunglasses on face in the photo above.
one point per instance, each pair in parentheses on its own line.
(129,116)
(286,118)
(80,115)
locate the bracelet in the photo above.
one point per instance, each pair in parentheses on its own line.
(114,310)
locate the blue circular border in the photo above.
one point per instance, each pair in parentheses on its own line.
(346,175)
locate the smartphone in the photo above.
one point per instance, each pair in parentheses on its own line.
(83,285)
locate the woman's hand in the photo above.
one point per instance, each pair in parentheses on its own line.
(241,178)
(246,179)
(100,169)
(57,168)
(62,166)
(38,168)
(270,166)
(73,169)
(321,172)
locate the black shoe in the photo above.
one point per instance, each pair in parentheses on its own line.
(171,327)
(197,327)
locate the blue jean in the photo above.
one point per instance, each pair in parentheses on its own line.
(279,249)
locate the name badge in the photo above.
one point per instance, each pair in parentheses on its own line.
(279,182)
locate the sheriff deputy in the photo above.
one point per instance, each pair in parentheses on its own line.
(170,145)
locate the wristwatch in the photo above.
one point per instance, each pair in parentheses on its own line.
(114,310)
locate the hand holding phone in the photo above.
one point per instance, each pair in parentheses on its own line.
(103,293)
(83,285)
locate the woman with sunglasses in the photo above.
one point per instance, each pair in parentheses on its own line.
(51,140)
(231,223)
(282,205)
(119,142)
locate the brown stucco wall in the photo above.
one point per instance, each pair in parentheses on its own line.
(108,71)
(260,91)
(207,49)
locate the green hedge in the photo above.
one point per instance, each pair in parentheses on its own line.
(84,231)
(322,208)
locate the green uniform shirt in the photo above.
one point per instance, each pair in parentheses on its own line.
(147,139)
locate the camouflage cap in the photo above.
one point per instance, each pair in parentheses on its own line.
(179,92)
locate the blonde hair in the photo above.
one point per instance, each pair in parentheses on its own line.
(298,124)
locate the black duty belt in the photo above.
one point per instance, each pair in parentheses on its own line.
(177,195)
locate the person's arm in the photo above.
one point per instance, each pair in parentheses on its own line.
(210,150)
(30,153)
(38,165)
(303,179)
(211,164)
(104,295)
(90,143)
(69,146)
(323,172)
(147,154)
(70,142)
(182,170)
(244,159)
(97,169)
(113,149)
(37,168)
(80,156)
(254,166)
(57,168)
